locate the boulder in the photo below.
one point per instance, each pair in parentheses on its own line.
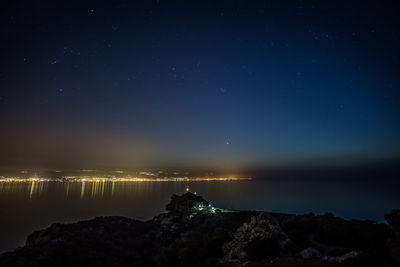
(260,238)
(185,204)
(348,256)
(393,218)
(310,253)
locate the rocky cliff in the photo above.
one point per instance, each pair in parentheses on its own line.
(194,233)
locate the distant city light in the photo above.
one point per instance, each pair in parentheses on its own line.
(121,179)
(94,186)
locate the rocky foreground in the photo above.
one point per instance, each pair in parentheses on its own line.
(194,233)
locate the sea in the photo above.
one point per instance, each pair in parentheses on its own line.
(29,206)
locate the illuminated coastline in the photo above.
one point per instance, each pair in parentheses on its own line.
(80,187)
(120,179)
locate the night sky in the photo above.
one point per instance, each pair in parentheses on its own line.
(230,84)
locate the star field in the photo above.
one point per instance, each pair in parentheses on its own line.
(210,83)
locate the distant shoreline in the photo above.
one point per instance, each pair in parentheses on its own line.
(121,179)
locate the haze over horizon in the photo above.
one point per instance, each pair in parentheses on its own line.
(206,85)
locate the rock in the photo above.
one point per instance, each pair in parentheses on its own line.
(348,256)
(103,241)
(260,238)
(185,204)
(343,258)
(193,233)
(310,253)
(51,234)
(331,259)
(393,218)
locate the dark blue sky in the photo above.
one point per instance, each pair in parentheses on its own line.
(228,84)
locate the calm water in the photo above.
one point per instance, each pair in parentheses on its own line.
(25,207)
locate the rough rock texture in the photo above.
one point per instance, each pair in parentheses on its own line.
(346,257)
(393,219)
(310,253)
(105,241)
(259,238)
(189,236)
(184,204)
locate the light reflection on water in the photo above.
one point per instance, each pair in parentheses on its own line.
(29,206)
(83,188)
(74,190)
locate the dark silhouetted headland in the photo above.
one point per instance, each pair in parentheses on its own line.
(195,233)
